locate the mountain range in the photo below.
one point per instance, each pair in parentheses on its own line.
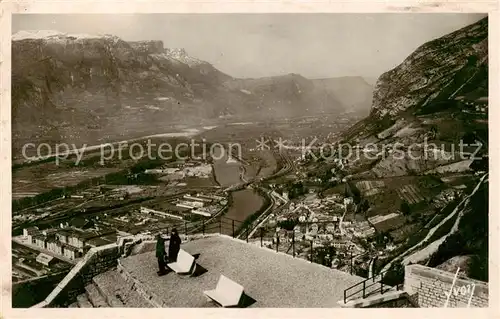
(84,88)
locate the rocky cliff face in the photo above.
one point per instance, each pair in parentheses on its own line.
(432,98)
(105,66)
(451,66)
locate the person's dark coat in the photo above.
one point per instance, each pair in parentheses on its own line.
(161,255)
(160,248)
(174,246)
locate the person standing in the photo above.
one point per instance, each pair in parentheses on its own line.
(174,246)
(160,254)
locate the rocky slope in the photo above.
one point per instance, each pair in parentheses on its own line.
(451,66)
(429,104)
(84,88)
(432,97)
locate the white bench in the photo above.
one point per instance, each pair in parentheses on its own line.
(185,263)
(227,293)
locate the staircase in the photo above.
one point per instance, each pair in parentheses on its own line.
(369,288)
(110,289)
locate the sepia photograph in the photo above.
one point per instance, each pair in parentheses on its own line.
(265,160)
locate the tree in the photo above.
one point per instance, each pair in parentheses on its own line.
(395,275)
(405,208)
(363,206)
(352,191)
(324,255)
(288,224)
(296,189)
(382,238)
(433,131)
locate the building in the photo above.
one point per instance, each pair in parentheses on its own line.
(71,252)
(190,204)
(269,280)
(49,232)
(348,201)
(40,240)
(30,231)
(64,225)
(76,241)
(285,195)
(63,236)
(198,199)
(167,170)
(214,197)
(145,210)
(96,242)
(341,244)
(45,259)
(81,223)
(201,212)
(55,246)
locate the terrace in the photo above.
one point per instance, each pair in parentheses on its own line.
(271,279)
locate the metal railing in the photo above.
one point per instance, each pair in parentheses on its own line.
(221,224)
(375,281)
(238,229)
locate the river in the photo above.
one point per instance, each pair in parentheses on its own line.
(245,202)
(227,173)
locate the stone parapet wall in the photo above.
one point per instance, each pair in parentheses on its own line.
(97,260)
(432,287)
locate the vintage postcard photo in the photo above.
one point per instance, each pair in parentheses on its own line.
(267,160)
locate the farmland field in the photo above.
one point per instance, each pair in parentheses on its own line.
(410,193)
(44,177)
(370,188)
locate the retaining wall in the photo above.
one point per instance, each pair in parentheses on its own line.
(97,260)
(437,288)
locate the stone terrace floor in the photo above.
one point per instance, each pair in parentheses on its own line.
(272,280)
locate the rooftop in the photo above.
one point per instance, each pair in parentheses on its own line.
(44,257)
(271,279)
(69,247)
(98,241)
(39,236)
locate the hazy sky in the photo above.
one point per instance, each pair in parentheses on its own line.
(245,45)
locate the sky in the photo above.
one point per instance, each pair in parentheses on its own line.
(259,45)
